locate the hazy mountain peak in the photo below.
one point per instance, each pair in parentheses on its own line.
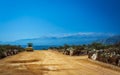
(73,38)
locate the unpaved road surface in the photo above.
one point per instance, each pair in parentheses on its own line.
(50,63)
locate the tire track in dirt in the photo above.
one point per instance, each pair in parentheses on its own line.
(50,63)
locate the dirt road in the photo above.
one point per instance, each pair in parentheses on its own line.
(50,63)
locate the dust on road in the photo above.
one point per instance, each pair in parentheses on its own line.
(45,62)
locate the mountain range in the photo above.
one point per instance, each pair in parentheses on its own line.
(76,39)
(110,40)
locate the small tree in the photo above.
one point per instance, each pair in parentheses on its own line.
(66,46)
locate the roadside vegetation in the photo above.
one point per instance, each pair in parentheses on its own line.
(8,50)
(95,51)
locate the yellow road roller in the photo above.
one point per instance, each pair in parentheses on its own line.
(29,47)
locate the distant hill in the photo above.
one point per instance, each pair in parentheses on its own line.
(110,40)
(79,38)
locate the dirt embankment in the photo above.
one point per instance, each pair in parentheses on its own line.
(51,63)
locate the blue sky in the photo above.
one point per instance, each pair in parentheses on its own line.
(21,19)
